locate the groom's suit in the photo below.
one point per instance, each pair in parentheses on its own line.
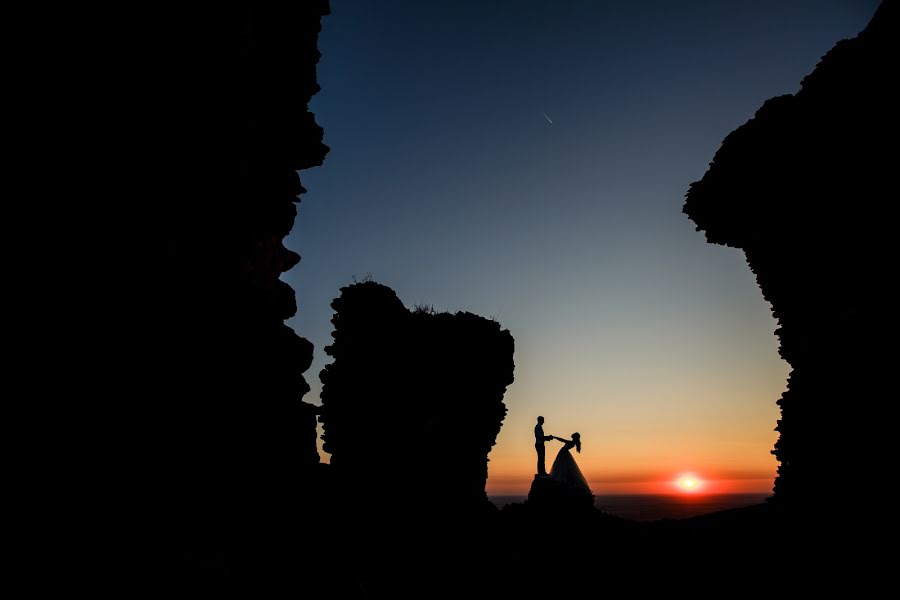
(539,438)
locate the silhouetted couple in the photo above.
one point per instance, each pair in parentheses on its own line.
(564,470)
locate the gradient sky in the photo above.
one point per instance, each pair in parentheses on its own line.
(446,182)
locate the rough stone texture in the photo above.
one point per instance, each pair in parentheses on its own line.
(804,189)
(413,398)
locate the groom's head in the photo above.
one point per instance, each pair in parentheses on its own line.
(540,420)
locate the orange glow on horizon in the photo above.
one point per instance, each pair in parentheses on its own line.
(602,485)
(689,483)
(629,455)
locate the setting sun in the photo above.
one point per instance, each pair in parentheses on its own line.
(689,483)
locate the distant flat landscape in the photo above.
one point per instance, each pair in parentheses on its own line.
(652,507)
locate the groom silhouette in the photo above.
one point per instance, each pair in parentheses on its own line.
(539,439)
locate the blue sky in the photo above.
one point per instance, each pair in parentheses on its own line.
(446,182)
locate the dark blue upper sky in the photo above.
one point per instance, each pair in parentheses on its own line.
(446,182)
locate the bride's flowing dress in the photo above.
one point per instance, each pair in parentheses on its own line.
(565,470)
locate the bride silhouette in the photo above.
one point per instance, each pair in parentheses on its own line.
(565,470)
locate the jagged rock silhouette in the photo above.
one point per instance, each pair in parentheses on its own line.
(234,453)
(802,189)
(413,397)
(229,477)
